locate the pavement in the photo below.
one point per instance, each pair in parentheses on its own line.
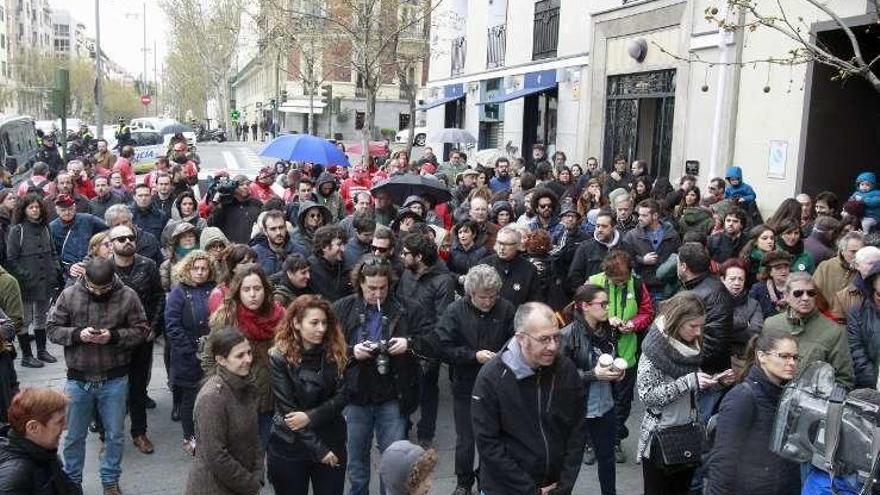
(165,471)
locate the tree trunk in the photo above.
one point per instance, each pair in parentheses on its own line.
(311,119)
(368,131)
(411,97)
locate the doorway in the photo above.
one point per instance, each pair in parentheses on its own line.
(638,119)
(453,118)
(539,121)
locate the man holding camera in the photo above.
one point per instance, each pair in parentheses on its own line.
(99,321)
(384,332)
(235,213)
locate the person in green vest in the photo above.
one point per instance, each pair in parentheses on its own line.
(631,313)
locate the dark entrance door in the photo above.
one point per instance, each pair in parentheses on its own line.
(638,119)
(539,120)
(454,117)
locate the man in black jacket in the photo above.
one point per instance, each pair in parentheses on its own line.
(619,177)
(589,255)
(236,215)
(469,333)
(29,462)
(141,274)
(384,333)
(293,280)
(328,273)
(528,411)
(651,243)
(104,198)
(147,243)
(725,245)
(428,283)
(146,216)
(520,278)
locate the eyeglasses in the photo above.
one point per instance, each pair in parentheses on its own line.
(125,238)
(786,357)
(601,304)
(800,292)
(98,289)
(545,340)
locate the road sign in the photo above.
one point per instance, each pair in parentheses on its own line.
(146,100)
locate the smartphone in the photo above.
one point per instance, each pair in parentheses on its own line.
(95,331)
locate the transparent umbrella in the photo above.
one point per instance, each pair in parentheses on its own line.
(452,135)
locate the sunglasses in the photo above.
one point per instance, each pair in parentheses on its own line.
(379,249)
(125,238)
(800,292)
(544,206)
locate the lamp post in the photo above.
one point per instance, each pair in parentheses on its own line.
(99,110)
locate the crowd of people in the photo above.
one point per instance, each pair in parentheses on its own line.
(298,327)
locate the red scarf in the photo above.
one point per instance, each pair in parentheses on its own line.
(256,326)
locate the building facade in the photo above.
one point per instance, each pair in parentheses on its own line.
(28,29)
(641,80)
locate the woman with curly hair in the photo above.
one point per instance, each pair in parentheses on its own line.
(538,245)
(591,198)
(249,306)
(307,440)
(186,322)
(406,469)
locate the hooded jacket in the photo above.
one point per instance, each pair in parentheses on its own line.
(120,311)
(33,260)
(695,219)
(819,339)
(741,461)
(167,266)
(463,330)
(333,201)
(743,190)
(28,469)
(176,217)
(398,461)
(271,260)
(211,235)
(870,198)
(304,235)
(528,424)
(748,320)
(587,260)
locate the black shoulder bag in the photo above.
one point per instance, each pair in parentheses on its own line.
(681,446)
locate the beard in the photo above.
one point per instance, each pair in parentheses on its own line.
(126,250)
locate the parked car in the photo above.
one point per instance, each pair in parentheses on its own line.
(421,134)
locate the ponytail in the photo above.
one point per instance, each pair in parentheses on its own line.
(765,341)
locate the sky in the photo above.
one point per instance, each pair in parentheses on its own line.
(122,30)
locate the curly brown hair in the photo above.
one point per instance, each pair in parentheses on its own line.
(421,470)
(288,338)
(537,243)
(227,314)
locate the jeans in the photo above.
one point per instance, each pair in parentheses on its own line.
(292,476)
(623,398)
(464,439)
(138,380)
(108,397)
(427,425)
(187,404)
(603,431)
(389,424)
(265,420)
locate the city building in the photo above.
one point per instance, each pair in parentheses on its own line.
(68,35)
(314,75)
(606,78)
(28,30)
(5,93)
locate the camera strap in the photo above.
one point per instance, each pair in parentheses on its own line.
(832,426)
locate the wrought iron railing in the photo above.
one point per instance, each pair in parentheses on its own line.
(459,51)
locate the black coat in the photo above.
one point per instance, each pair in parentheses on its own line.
(721,247)
(529,431)
(150,219)
(402,319)
(460,261)
(863,331)
(148,246)
(31,258)
(330,280)
(143,277)
(580,345)
(186,321)
(740,461)
(315,386)
(639,244)
(718,330)
(587,261)
(519,277)
(28,469)
(433,291)
(236,218)
(99,206)
(463,330)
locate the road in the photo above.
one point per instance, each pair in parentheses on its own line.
(164,472)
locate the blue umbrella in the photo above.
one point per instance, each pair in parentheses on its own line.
(305,148)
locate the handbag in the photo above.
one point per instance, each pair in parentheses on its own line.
(682,446)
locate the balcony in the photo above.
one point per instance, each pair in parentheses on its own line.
(546,33)
(496,46)
(459,50)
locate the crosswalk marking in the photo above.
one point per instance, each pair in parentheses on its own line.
(229,158)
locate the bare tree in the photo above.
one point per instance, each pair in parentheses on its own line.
(204,35)
(781,16)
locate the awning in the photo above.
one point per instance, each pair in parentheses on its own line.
(441,101)
(533,82)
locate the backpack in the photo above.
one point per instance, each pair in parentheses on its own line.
(34,188)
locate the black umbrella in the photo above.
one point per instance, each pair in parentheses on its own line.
(400,187)
(175,128)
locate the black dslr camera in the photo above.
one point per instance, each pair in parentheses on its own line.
(221,189)
(379,351)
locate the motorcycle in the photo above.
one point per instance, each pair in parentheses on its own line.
(203,134)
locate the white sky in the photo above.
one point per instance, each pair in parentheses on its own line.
(122,30)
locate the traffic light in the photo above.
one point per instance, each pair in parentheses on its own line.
(327,93)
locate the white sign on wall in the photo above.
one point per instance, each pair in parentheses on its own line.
(776,159)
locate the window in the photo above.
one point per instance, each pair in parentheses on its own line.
(359,118)
(3,70)
(546,33)
(2,13)
(2,41)
(403,121)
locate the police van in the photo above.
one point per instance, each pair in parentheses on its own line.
(148,145)
(18,144)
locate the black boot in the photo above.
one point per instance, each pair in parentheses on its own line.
(27,354)
(42,353)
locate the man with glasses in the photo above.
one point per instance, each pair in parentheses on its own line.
(545,205)
(141,274)
(470,332)
(716,192)
(99,321)
(428,283)
(327,263)
(528,411)
(521,283)
(818,338)
(383,246)
(385,334)
(502,181)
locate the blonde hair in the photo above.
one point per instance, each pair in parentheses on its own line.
(180,271)
(97,240)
